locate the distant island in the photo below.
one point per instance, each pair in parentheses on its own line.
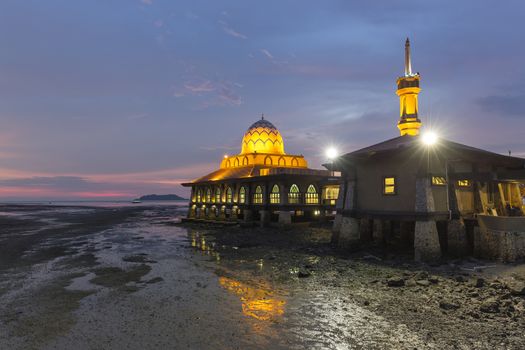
(162,197)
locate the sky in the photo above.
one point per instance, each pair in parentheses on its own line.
(115,99)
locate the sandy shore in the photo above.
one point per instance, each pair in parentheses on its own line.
(130,278)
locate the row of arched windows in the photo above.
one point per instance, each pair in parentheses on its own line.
(267,161)
(311,195)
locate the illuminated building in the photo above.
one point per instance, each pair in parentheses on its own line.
(438,196)
(263,183)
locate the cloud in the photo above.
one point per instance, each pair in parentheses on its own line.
(197,87)
(158,23)
(232,32)
(147,2)
(505,105)
(267,54)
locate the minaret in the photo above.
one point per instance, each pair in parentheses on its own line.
(407,90)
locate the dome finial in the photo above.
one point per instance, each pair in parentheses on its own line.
(262,116)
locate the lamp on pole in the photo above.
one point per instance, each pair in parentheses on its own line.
(331,154)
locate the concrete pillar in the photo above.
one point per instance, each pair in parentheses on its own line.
(378,231)
(349,233)
(457,237)
(426,238)
(285,217)
(265,217)
(248,215)
(365,230)
(406,233)
(336,229)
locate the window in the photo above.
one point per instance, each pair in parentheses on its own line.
(258,195)
(439,181)
(389,185)
(463,183)
(268,160)
(242,195)
(208,195)
(311,196)
(217,195)
(229,195)
(275,196)
(199,195)
(294,195)
(330,194)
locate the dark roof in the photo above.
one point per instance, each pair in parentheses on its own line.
(263,123)
(450,149)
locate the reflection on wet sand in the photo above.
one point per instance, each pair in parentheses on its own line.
(258,303)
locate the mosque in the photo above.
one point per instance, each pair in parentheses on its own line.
(421,191)
(435,195)
(263,184)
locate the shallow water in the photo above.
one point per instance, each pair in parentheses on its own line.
(145,283)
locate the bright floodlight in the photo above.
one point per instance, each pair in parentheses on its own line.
(331,153)
(225,156)
(430,138)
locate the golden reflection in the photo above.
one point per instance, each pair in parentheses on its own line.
(256,302)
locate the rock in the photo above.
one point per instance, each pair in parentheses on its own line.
(490,306)
(460,279)
(433,280)
(424,283)
(480,282)
(516,287)
(366,303)
(448,306)
(395,282)
(303,274)
(421,275)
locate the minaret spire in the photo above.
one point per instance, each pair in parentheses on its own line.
(408,63)
(407,90)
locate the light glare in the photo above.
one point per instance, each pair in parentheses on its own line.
(331,153)
(430,138)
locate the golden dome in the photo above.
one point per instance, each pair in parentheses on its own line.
(262,137)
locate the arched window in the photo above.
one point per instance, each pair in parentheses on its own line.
(236,162)
(275,196)
(217,195)
(245,161)
(242,195)
(229,195)
(228,164)
(294,195)
(268,160)
(258,195)
(282,162)
(199,195)
(208,195)
(295,162)
(311,196)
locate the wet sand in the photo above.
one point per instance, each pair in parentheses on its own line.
(131,278)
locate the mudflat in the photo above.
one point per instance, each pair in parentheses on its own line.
(132,278)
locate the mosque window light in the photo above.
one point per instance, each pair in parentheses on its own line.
(199,196)
(275,196)
(258,195)
(208,195)
(242,195)
(217,195)
(294,195)
(229,195)
(389,185)
(311,196)
(463,183)
(439,181)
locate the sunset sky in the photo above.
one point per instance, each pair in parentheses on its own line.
(114,99)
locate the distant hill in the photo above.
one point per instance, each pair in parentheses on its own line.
(162,197)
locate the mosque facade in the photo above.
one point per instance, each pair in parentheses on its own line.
(437,196)
(263,184)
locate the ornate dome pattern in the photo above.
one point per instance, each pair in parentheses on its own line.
(262,137)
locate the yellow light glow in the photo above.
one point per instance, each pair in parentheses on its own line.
(225,156)
(430,138)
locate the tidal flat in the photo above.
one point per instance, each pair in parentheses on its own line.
(133,278)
